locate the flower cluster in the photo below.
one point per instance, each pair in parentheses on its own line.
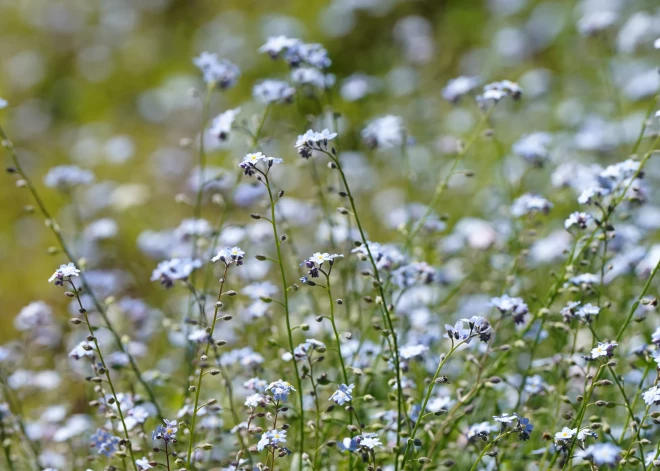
(496,305)
(250,163)
(315,263)
(312,140)
(230,256)
(217,72)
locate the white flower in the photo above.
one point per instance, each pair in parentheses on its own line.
(314,139)
(505,418)
(175,269)
(221,125)
(312,76)
(254,158)
(534,147)
(273,91)
(386,132)
(411,351)
(652,396)
(565,434)
(198,336)
(579,219)
(586,432)
(276,44)
(458,87)
(143,464)
(83,349)
(497,90)
(370,441)
(319,257)
(65,177)
(35,314)
(3,103)
(656,43)
(217,72)
(230,255)
(603,349)
(530,203)
(65,271)
(343,394)
(254,400)
(584,278)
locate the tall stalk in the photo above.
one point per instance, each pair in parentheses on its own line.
(55,229)
(387,316)
(108,378)
(285,289)
(203,360)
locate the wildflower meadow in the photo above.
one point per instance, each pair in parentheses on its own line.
(397,235)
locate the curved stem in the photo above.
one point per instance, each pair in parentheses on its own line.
(384,307)
(201,368)
(83,311)
(429,391)
(55,229)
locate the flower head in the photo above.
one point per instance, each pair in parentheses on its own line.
(272,438)
(221,125)
(105,443)
(254,400)
(66,177)
(250,161)
(273,91)
(578,219)
(280,390)
(497,90)
(565,434)
(343,394)
(228,256)
(169,271)
(312,140)
(64,273)
(143,464)
(221,73)
(166,432)
(603,349)
(276,44)
(652,396)
(387,132)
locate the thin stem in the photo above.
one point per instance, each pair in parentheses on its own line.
(334,328)
(429,391)
(83,311)
(55,229)
(167,457)
(445,181)
(384,307)
(285,289)
(201,368)
(486,448)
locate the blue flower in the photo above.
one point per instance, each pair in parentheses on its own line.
(166,433)
(105,443)
(280,390)
(343,394)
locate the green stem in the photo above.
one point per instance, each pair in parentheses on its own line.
(285,289)
(201,368)
(429,391)
(55,229)
(83,311)
(384,307)
(445,181)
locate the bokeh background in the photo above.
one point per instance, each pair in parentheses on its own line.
(110,86)
(106,85)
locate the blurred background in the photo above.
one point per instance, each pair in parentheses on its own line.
(106,85)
